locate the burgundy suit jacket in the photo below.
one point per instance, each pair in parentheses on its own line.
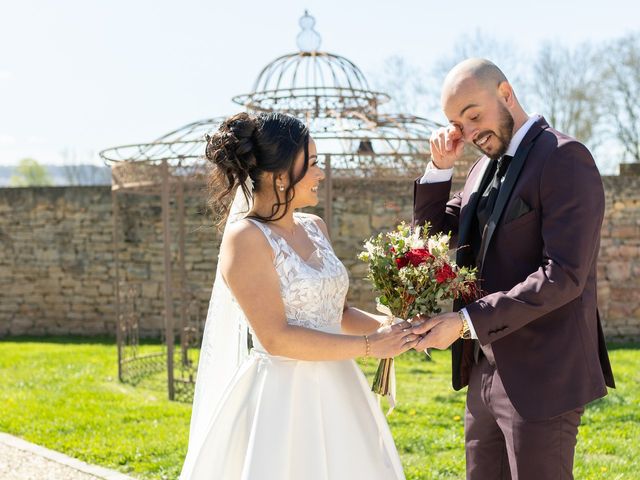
(538,270)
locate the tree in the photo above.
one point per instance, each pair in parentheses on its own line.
(416,90)
(479,44)
(403,82)
(622,82)
(566,85)
(29,173)
(76,173)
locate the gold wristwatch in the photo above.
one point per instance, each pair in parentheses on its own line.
(465,332)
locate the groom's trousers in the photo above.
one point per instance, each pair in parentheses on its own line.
(500,444)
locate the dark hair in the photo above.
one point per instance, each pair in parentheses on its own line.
(246,145)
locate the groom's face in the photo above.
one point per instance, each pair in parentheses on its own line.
(481,116)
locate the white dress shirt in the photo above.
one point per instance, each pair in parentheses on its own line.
(435,175)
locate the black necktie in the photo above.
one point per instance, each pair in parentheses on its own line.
(488,200)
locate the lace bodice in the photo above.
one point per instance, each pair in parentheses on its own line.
(313,290)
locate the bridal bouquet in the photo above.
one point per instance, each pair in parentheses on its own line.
(411,271)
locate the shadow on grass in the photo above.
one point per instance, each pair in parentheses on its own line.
(623,346)
(74,339)
(453,397)
(420,371)
(109,340)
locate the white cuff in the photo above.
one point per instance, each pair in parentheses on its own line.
(471,329)
(436,175)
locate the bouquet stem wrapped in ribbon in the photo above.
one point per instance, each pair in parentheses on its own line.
(411,271)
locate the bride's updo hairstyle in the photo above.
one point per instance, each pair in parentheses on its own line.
(247,145)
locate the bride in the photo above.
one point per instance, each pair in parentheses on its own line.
(296,406)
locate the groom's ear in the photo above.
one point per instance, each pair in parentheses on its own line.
(505,93)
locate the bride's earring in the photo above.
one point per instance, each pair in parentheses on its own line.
(281,188)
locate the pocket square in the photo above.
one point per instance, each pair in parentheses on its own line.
(518,209)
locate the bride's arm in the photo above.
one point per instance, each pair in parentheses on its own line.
(356,321)
(246,263)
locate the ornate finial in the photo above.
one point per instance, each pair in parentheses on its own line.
(308,39)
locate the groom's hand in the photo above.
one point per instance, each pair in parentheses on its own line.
(421,324)
(447,146)
(439,332)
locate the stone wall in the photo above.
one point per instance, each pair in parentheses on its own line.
(56,261)
(619,261)
(57,269)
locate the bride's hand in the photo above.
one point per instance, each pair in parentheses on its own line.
(393,340)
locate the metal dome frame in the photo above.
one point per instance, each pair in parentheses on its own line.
(318,84)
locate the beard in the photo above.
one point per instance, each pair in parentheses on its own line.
(503,135)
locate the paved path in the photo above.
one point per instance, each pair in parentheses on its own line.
(21,460)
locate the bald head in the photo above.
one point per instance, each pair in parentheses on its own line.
(472,73)
(478,100)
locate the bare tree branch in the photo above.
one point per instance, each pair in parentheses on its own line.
(76,173)
(566,85)
(623,92)
(404,82)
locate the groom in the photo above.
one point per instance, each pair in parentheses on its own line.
(531,349)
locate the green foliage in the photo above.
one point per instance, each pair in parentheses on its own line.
(64,394)
(29,173)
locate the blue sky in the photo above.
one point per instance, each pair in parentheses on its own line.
(86,75)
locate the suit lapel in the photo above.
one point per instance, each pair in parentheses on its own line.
(513,172)
(474,197)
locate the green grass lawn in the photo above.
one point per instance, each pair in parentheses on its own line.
(64,394)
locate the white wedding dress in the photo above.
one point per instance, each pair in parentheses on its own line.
(286,419)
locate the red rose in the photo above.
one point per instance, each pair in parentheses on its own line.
(473,293)
(402,262)
(418,255)
(445,273)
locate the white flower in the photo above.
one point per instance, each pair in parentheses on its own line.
(416,243)
(439,245)
(370,247)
